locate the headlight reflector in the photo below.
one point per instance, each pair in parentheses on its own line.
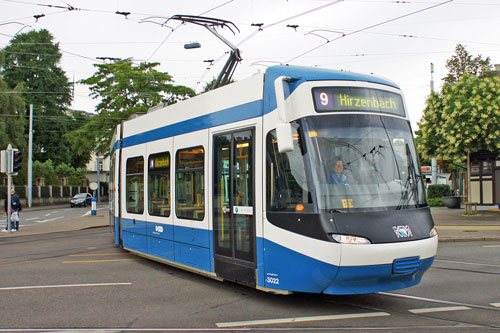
(433,232)
(348,239)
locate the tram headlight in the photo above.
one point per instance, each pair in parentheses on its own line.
(348,239)
(433,232)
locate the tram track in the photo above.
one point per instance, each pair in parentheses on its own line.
(473,267)
(52,254)
(48,236)
(428,316)
(14,256)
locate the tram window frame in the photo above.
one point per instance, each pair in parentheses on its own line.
(196,185)
(282,191)
(134,198)
(154,187)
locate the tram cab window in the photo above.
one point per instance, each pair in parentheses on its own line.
(189,185)
(159,184)
(135,185)
(287,187)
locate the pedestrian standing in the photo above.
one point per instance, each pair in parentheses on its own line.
(15,209)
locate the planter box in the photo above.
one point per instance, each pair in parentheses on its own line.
(452,202)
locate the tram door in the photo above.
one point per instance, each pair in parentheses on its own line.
(233,219)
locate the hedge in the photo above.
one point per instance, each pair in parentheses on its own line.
(438,191)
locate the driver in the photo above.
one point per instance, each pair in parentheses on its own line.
(338,176)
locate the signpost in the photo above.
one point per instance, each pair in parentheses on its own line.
(10,163)
(8,168)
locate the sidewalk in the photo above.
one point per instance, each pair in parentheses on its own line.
(452,225)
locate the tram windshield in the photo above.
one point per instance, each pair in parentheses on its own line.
(362,162)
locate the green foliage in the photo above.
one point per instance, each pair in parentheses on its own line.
(463,63)
(124,89)
(11,118)
(438,191)
(31,62)
(464,117)
(53,174)
(46,170)
(209,85)
(435,202)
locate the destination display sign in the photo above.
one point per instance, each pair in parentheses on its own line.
(159,161)
(328,99)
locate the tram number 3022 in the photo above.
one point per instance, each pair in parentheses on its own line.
(273,280)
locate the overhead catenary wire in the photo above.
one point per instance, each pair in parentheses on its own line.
(180,24)
(369,27)
(92,59)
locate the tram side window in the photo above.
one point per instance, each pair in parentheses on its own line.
(135,185)
(159,184)
(287,188)
(189,185)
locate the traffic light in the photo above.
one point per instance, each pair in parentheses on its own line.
(17,158)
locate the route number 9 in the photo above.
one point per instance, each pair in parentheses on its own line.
(324,98)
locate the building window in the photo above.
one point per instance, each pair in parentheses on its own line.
(189,186)
(487,167)
(135,185)
(159,184)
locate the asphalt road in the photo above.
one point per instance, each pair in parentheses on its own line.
(80,280)
(48,214)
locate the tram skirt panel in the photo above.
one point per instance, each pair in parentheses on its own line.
(289,270)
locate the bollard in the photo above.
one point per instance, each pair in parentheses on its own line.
(94,207)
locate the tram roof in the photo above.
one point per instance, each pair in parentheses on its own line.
(301,74)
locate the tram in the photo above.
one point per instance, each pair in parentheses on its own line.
(242,183)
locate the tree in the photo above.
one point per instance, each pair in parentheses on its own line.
(209,85)
(124,89)
(463,118)
(12,120)
(74,176)
(463,63)
(46,171)
(32,59)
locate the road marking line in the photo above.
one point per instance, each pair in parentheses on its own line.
(301,319)
(89,261)
(55,218)
(496,305)
(491,245)
(466,263)
(468,227)
(425,299)
(440,309)
(100,254)
(71,285)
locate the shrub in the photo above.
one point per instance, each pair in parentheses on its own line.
(438,191)
(435,202)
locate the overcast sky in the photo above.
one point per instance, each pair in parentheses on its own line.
(394,39)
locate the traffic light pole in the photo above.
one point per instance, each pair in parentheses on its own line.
(9,184)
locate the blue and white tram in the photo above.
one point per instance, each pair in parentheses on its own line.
(238,184)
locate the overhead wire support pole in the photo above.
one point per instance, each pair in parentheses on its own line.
(30,158)
(209,23)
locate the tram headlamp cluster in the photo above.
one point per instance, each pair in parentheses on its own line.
(347,239)
(433,232)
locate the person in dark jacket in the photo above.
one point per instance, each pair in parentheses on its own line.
(15,207)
